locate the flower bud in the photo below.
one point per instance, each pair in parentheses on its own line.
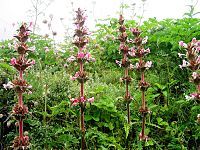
(1,115)
(8,124)
(26,133)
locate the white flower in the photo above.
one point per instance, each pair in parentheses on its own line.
(1,115)
(185,64)
(32,49)
(194,75)
(185,45)
(188,98)
(194,40)
(147,50)
(148,64)
(118,62)
(46,49)
(180,55)
(9,85)
(131,66)
(144,40)
(90,100)
(137,65)
(9,45)
(71,59)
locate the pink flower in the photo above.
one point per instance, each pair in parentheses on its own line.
(75,76)
(46,49)
(82,99)
(80,55)
(13,61)
(90,100)
(198,60)
(147,50)
(198,43)
(135,31)
(198,49)
(194,75)
(72,78)
(142,51)
(32,62)
(118,62)
(88,56)
(181,43)
(194,96)
(74,101)
(31,23)
(132,52)
(194,40)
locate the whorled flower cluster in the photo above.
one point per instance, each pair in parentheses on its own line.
(21,63)
(76,101)
(140,52)
(80,40)
(125,63)
(124,48)
(192,61)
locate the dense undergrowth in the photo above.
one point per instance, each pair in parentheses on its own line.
(171,125)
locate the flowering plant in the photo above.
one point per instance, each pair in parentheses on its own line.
(140,52)
(20,85)
(192,61)
(80,41)
(125,63)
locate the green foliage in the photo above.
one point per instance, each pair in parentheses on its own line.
(172,123)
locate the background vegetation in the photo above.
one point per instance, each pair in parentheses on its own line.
(171,125)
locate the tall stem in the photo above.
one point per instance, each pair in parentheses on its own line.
(21,129)
(20,103)
(83,143)
(143,124)
(21,75)
(128,113)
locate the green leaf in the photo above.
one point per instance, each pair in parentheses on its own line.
(159,120)
(127,129)
(88,117)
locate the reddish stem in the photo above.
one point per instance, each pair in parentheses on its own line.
(126,75)
(82,90)
(21,75)
(20,101)
(143,125)
(21,129)
(81,66)
(83,143)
